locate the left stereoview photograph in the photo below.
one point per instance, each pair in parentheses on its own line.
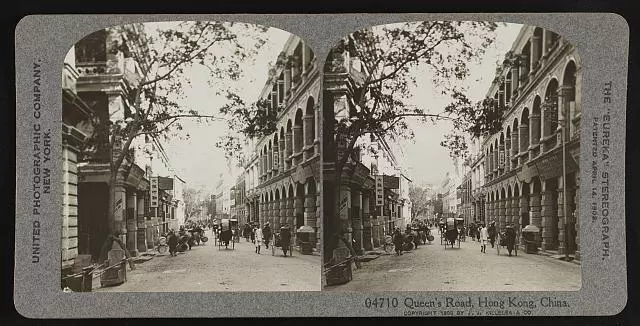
(190,160)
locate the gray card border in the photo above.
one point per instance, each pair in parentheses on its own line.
(602,42)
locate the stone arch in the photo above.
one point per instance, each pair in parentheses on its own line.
(299,205)
(536,127)
(501,151)
(536,185)
(569,75)
(490,156)
(550,114)
(290,193)
(515,144)
(298,132)
(310,122)
(524,130)
(536,46)
(569,90)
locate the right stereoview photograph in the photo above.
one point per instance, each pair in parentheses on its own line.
(451,159)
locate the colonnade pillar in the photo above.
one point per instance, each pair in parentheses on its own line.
(291,210)
(549,223)
(289,150)
(132,222)
(276,214)
(309,136)
(524,211)
(356,220)
(366,222)
(310,217)
(141,244)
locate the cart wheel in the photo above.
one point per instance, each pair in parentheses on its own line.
(162,249)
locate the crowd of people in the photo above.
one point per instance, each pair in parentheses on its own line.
(477,230)
(259,236)
(488,235)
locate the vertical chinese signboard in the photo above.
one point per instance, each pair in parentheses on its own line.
(154,192)
(379,190)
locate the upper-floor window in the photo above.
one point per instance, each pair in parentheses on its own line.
(92,48)
(281,91)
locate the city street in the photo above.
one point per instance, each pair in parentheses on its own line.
(205,268)
(432,268)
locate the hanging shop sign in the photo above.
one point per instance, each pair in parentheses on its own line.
(550,166)
(154,192)
(165,183)
(391,182)
(379,190)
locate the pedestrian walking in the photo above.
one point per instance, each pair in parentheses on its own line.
(510,238)
(258,239)
(484,238)
(285,238)
(266,234)
(492,233)
(398,240)
(172,241)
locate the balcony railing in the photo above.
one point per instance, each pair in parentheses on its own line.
(534,151)
(91,68)
(549,142)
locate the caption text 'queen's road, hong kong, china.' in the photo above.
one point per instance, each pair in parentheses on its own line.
(451,159)
(191,160)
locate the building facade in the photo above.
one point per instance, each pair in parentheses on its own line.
(106,76)
(76,129)
(283,169)
(539,88)
(370,197)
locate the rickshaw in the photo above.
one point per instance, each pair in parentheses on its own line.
(502,240)
(226,233)
(233,224)
(451,233)
(461,228)
(277,243)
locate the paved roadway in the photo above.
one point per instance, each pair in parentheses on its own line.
(432,268)
(206,268)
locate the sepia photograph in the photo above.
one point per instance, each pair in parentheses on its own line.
(451,155)
(190,160)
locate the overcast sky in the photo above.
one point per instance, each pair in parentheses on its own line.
(199,162)
(425,159)
(196,159)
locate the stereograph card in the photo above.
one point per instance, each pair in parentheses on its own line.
(250,165)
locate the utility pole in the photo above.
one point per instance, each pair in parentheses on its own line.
(561,118)
(564,185)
